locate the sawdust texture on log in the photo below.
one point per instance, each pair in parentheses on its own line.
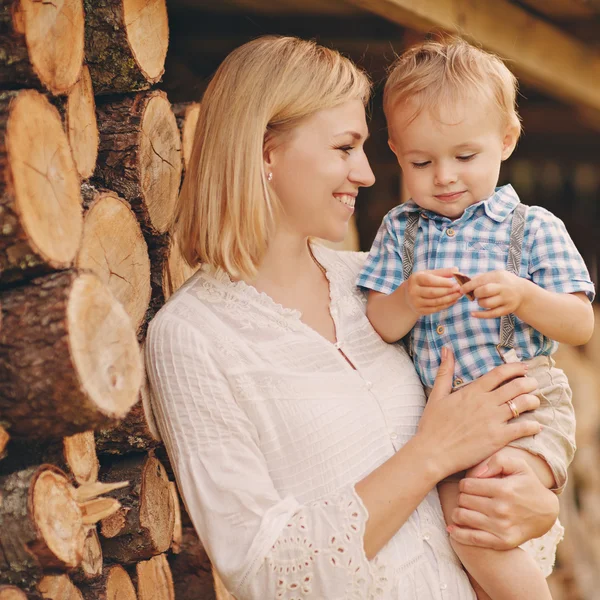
(79,115)
(153,579)
(42,44)
(113,584)
(40,200)
(69,358)
(112,245)
(140,158)
(10,592)
(90,567)
(143,526)
(191,569)
(41,525)
(75,455)
(58,587)
(187,117)
(126,43)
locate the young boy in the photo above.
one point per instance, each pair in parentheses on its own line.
(452,121)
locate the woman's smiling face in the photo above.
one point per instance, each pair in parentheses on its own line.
(318,168)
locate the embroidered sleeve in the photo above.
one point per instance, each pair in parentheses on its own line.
(554,262)
(262,544)
(382,271)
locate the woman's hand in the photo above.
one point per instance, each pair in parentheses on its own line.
(465,427)
(503,506)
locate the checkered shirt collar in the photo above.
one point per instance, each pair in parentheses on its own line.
(497,207)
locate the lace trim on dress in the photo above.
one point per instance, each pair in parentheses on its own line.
(295,556)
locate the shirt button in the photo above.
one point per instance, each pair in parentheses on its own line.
(443,586)
(426,537)
(450,232)
(440,329)
(458,381)
(424,216)
(369,384)
(394,436)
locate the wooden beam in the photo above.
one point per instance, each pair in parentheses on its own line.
(560,9)
(538,52)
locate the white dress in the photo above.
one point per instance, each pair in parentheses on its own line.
(269,428)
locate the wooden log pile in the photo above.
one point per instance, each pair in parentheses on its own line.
(91,164)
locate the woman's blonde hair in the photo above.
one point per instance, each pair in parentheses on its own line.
(264,88)
(433,74)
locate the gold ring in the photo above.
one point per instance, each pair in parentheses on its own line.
(513,408)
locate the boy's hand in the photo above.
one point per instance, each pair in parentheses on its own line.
(428,292)
(498,292)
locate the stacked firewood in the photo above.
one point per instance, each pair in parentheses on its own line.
(90,168)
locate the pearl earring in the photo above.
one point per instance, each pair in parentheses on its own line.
(270,177)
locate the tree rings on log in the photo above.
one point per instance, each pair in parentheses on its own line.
(187,116)
(126,43)
(10,592)
(154,580)
(90,567)
(79,113)
(40,199)
(143,526)
(113,584)
(42,44)
(40,525)
(114,248)
(58,587)
(140,158)
(69,358)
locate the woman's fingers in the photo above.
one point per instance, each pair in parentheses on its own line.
(517,387)
(443,380)
(479,538)
(497,376)
(522,403)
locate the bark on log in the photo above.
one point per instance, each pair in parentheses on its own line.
(78,111)
(187,117)
(75,455)
(143,527)
(42,44)
(58,587)
(40,200)
(153,579)
(113,584)
(10,592)
(90,567)
(140,158)
(137,432)
(40,525)
(112,245)
(191,569)
(69,359)
(177,539)
(125,43)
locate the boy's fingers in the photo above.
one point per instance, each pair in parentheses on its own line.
(446,299)
(434,293)
(493,313)
(429,279)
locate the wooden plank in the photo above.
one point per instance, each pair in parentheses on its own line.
(538,52)
(561,9)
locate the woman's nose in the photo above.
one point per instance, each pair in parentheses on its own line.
(362,174)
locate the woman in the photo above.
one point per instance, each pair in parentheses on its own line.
(300,440)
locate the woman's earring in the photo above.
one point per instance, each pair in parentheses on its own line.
(270,177)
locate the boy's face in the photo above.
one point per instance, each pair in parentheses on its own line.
(451,160)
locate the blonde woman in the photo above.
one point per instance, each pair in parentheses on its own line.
(300,440)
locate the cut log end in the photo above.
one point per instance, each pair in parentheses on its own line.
(104,347)
(58,587)
(113,246)
(58,517)
(4,438)
(177,538)
(42,199)
(154,579)
(82,129)
(90,567)
(9,592)
(113,584)
(160,160)
(80,456)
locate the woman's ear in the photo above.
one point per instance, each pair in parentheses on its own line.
(509,142)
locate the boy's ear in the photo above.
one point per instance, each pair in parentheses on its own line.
(392,147)
(510,140)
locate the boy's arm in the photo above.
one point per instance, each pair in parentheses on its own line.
(565,318)
(423,293)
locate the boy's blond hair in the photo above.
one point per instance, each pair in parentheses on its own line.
(433,74)
(263,89)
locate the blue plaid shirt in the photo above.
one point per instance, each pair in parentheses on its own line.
(477,242)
